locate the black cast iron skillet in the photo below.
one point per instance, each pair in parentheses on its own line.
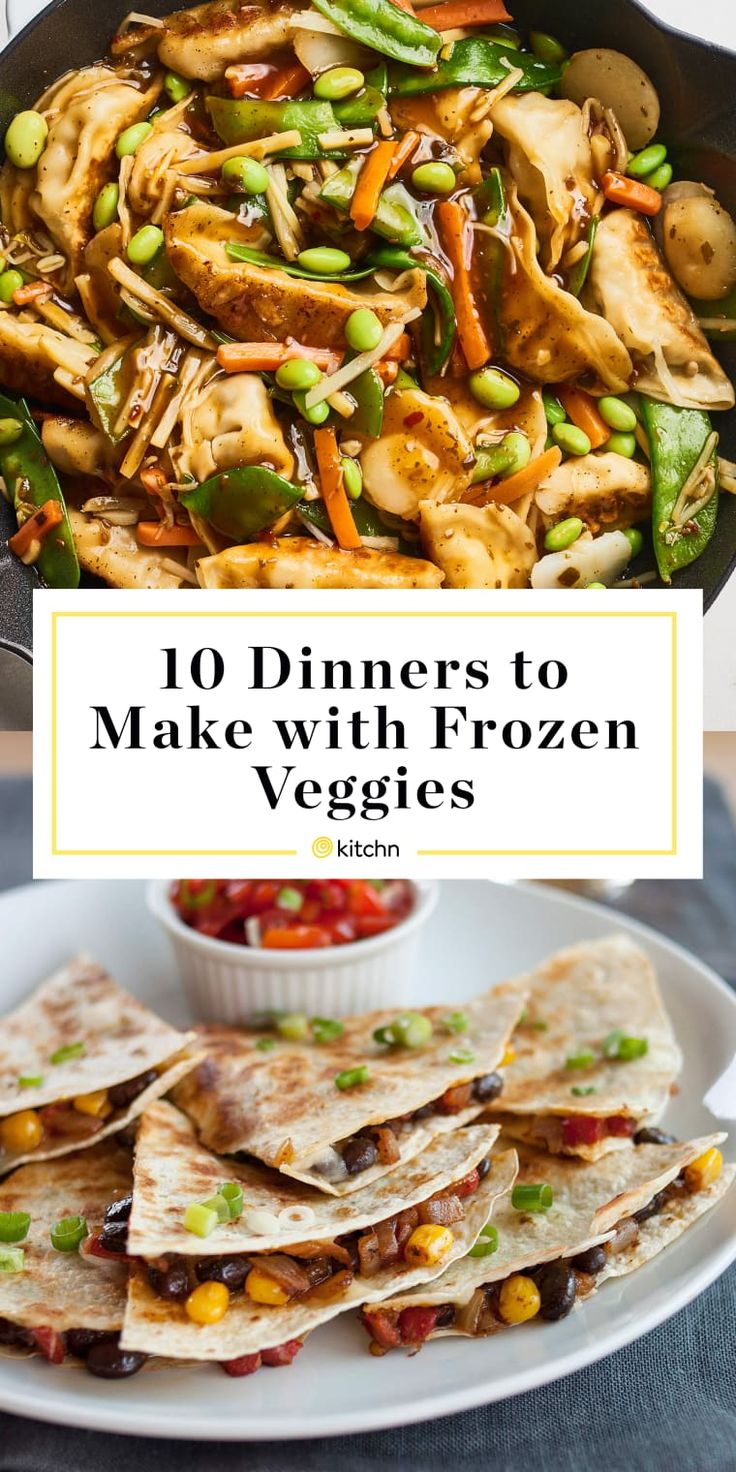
(696,82)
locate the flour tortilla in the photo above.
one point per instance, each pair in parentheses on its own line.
(65,1290)
(172,1169)
(581,995)
(122,1039)
(588,1202)
(283,1106)
(159,1326)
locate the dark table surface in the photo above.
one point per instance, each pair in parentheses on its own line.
(665,1402)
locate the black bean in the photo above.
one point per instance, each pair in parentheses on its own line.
(109,1362)
(232,1271)
(445,1316)
(592,1261)
(483,1167)
(80,1341)
(359,1154)
(651,1208)
(15,1336)
(119,1211)
(114,1236)
(171,1282)
(651,1136)
(488,1087)
(122,1095)
(424,1110)
(557,1288)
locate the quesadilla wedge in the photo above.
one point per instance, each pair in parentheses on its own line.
(606,1219)
(292,1257)
(339,1114)
(80,1059)
(596,1056)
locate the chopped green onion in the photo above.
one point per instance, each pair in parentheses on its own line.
(219,1205)
(412,1029)
(200,1219)
(583,1059)
(30,1081)
(487,1242)
(69,1050)
(232,1194)
(326,1029)
(351,1077)
(456,1022)
(293,1026)
(289,899)
(612,1043)
(385,1035)
(581,1092)
(12,1259)
(462,1055)
(631,1048)
(532,1198)
(265,1045)
(14,1225)
(67,1234)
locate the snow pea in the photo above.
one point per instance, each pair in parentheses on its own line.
(242,502)
(385,28)
(106,392)
(491,250)
(238,252)
(244,120)
(395,219)
(475,62)
(31,480)
(434,353)
(367,390)
(677,440)
(579,273)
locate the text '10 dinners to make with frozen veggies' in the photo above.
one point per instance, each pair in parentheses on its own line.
(348,295)
(454,1170)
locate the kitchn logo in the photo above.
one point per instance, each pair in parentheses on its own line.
(354,848)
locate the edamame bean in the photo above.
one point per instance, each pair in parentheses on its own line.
(25,139)
(317,415)
(105,210)
(10,431)
(563,534)
(352,477)
(491,462)
(621,444)
(493,389)
(324,260)
(131,138)
(363,330)
(434,178)
(646,161)
(245,174)
(553,410)
(177,87)
(517,446)
(338,82)
(597,585)
(9,283)
(635,538)
(660,178)
(572,440)
(298,373)
(146,244)
(547,48)
(616,413)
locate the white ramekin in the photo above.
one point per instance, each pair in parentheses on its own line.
(229,983)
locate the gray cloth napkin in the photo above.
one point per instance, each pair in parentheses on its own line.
(666,1402)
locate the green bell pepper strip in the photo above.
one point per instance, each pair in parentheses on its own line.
(474,62)
(395,218)
(434,353)
(677,439)
(579,274)
(367,390)
(238,252)
(385,28)
(242,502)
(31,479)
(245,120)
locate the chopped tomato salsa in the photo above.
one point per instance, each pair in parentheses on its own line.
(292,914)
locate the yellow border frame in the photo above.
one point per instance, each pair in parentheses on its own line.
(359,613)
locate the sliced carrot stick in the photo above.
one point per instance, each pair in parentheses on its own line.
(527,479)
(371,179)
(36,528)
(455,234)
(155,534)
(266,357)
(400,350)
(32,291)
(247,77)
(464,13)
(404,5)
(403,152)
(387,371)
(333,489)
(287,83)
(631,192)
(582,410)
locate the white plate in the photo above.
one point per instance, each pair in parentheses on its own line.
(479,934)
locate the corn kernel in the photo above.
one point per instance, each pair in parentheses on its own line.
(508,1057)
(703,1171)
(428,1244)
(96,1104)
(263,1289)
(22,1131)
(519,1299)
(208,1303)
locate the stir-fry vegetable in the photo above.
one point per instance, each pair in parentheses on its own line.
(684,457)
(387,28)
(241,502)
(475,62)
(33,485)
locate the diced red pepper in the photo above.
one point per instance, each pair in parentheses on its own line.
(416,1324)
(582,1129)
(453,1100)
(283,1354)
(245,1364)
(620,1124)
(467,1185)
(51,1344)
(382,1327)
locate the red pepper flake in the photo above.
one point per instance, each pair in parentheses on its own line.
(415,418)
